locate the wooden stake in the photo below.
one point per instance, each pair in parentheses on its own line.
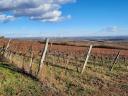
(31,61)
(43,56)
(87,59)
(23,61)
(115,60)
(53,59)
(7,47)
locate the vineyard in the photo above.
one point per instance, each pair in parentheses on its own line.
(106,72)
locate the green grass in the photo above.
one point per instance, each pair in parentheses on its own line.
(13,83)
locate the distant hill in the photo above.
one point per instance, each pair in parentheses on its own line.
(91,38)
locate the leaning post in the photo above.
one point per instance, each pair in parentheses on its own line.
(115,61)
(43,57)
(86,61)
(8,44)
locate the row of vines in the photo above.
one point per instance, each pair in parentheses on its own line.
(27,55)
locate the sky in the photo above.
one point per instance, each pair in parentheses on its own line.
(63,18)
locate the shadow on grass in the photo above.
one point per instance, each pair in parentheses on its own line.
(15,69)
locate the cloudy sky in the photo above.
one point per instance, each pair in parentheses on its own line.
(33,18)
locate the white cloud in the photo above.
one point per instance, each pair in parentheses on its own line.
(43,10)
(5,18)
(111,29)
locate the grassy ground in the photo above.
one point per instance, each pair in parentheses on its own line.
(14,83)
(97,80)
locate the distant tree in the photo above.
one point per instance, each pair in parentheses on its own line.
(1,37)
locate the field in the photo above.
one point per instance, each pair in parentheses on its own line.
(63,65)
